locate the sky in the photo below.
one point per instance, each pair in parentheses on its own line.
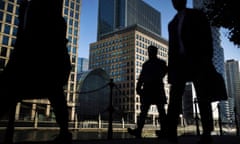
(88,26)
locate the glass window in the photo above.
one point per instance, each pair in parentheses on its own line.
(70,30)
(7,29)
(10,7)
(2,63)
(75,32)
(13,41)
(1,14)
(17,8)
(71,13)
(66,3)
(1,4)
(77,8)
(16,21)
(66,11)
(74,50)
(75,41)
(5,40)
(8,18)
(3,51)
(72,5)
(71,22)
(15,31)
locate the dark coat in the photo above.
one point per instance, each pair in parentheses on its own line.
(150,83)
(197,41)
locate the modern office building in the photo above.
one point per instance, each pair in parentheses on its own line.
(125,29)
(117,14)
(8,29)
(233,89)
(121,54)
(82,64)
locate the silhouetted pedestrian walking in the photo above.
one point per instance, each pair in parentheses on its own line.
(150,87)
(190,60)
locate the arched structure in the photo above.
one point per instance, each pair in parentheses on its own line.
(93,94)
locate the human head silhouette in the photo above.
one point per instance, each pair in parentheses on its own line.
(152,51)
(179,4)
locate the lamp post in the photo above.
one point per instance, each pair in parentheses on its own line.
(196,116)
(110,108)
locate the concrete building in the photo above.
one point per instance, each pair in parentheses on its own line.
(8,30)
(121,54)
(125,30)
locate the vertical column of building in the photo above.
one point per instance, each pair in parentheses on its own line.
(71,13)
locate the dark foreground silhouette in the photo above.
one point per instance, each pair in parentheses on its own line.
(190,60)
(39,65)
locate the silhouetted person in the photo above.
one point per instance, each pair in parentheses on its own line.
(190,58)
(39,65)
(150,87)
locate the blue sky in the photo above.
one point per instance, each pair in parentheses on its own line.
(88,26)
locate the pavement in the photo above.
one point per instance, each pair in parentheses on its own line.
(188,139)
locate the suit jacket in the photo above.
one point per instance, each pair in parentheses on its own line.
(196,38)
(150,83)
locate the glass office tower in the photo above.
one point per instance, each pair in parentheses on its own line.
(114,15)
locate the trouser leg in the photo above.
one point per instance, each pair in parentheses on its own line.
(162,115)
(59,104)
(205,107)
(174,107)
(143,115)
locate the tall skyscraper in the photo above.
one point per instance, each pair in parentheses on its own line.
(82,64)
(233,89)
(117,14)
(8,29)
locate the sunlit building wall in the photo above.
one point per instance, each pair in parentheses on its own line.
(121,54)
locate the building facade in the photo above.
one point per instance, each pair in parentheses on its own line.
(82,64)
(8,30)
(233,89)
(121,54)
(117,14)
